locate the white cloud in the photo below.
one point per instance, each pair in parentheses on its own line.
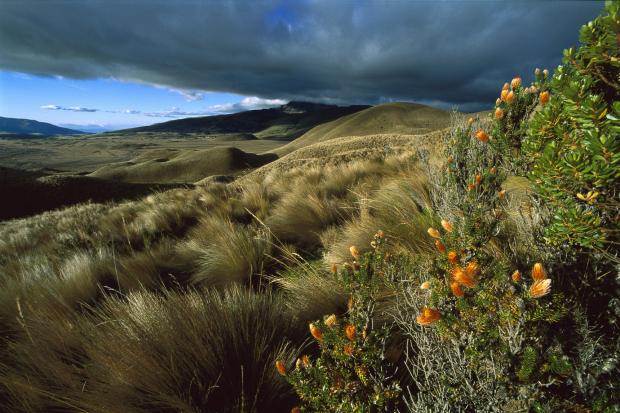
(70,109)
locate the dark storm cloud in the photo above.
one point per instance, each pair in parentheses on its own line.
(444,52)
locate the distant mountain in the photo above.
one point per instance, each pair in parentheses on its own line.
(32,127)
(286,122)
(88,128)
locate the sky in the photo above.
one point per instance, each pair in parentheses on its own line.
(116,63)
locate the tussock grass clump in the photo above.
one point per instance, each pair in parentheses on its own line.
(223,252)
(195,351)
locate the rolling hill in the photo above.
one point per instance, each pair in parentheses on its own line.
(182,165)
(390,118)
(286,122)
(24,127)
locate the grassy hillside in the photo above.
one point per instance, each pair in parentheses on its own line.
(394,118)
(286,122)
(174,166)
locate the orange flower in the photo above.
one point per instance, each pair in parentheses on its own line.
(316,332)
(510,97)
(331,320)
(305,360)
(380,234)
(281,368)
(504,95)
(498,102)
(440,246)
(334,268)
(295,410)
(506,86)
(538,272)
(470,187)
(540,288)
(428,316)
(462,277)
(472,269)
(452,257)
(425,285)
(456,289)
(544,97)
(446,225)
(501,194)
(499,113)
(493,170)
(478,179)
(450,159)
(482,136)
(348,349)
(516,82)
(433,232)
(545,73)
(354,252)
(349,331)
(516,276)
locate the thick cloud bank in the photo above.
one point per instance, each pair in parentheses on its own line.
(441,52)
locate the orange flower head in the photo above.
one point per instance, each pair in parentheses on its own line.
(498,102)
(544,97)
(281,368)
(545,73)
(516,276)
(470,187)
(540,288)
(501,194)
(493,170)
(538,272)
(499,113)
(510,97)
(349,331)
(316,332)
(433,232)
(305,360)
(506,86)
(380,234)
(331,320)
(348,349)
(333,268)
(456,289)
(440,246)
(504,95)
(295,410)
(354,252)
(452,257)
(425,285)
(450,159)
(428,316)
(478,179)
(472,269)
(446,225)
(482,136)
(516,82)
(462,277)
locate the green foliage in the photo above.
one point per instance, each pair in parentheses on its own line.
(574,142)
(351,373)
(528,363)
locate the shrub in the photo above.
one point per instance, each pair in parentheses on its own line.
(573,141)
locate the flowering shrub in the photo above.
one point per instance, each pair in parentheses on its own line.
(573,141)
(351,373)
